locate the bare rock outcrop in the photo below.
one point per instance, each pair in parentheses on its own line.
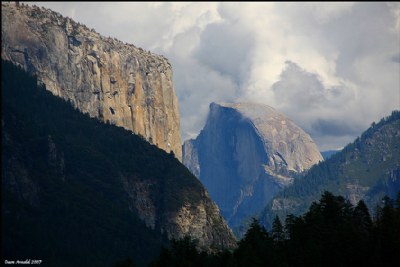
(53,168)
(199,219)
(113,81)
(245,154)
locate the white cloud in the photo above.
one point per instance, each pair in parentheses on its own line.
(395,10)
(343,70)
(320,110)
(324,12)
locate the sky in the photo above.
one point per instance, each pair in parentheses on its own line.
(332,67)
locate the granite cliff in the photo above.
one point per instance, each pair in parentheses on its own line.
(246,154)
(76,186)
(108,79)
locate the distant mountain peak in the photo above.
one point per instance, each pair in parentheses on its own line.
(245,154)
(277,132)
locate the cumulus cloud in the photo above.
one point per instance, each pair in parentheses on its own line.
(324,12)
(319,109)
(225,48)
(331,67)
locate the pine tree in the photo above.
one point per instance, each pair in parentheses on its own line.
(253,247)
(277,232)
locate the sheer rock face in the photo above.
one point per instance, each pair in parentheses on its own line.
(245,154)
(200,220)
(103,77)
(204,223)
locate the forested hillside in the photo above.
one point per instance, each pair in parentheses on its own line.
(333,232)
(368,168)
(77,192)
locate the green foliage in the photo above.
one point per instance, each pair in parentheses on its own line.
(183,253)
(370,162)
(331,233)
(65,178)
(64,199)
(277,232)
(335,233)
(256,248)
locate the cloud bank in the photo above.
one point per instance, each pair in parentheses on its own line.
(331,67)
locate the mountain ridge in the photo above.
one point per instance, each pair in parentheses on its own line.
(368,168)
(76,186)
(245,154)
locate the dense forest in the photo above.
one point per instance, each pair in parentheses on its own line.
(64,194)
(62,201)
(368,168)
(332,232)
